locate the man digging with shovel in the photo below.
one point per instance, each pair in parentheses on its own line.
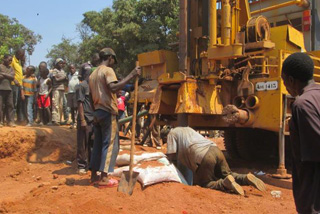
(103,87)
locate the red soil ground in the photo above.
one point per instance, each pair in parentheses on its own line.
(35,178)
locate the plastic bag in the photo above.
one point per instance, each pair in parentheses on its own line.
(124,159)
(153,175)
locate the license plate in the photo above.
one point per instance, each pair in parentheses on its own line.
(267,86)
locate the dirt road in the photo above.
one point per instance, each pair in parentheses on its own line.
(36,178)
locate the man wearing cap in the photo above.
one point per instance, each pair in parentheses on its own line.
(103,87)
(58,77)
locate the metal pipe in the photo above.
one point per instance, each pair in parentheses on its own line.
(213,23)
(129,119)
(252,102)
(300,3)
(281,167)
(226,22)
(183,36)
(282,171)
(232,115)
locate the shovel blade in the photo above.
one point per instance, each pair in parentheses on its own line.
(127,183)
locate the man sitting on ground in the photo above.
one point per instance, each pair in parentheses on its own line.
(206,161)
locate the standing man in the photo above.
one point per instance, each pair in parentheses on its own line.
(17,83)
(297,76)
(205,161)
(6,99)
(71,96)
(103,87)
(84,120)
(59,78)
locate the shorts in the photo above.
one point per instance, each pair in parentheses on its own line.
(72,100)
(43,102)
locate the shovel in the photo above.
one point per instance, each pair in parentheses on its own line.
(129,178)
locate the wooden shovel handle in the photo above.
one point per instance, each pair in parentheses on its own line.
(134,118)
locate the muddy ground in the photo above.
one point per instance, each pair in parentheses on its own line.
(36,177)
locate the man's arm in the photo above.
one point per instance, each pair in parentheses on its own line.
(80,96)
(22,94)
(60,77)
(9,76)
(91,101)
(81,115)
(116,86)
(35,90)
(172,158)
(49,83)
(308,123)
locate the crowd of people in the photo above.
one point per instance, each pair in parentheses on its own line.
(36,96)
(33,96)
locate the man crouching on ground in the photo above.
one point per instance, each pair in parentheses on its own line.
(103,88)
(206,161)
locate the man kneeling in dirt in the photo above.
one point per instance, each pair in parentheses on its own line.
(206,161)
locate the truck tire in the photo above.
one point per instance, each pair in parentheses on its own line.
(243,141)
(230,143)
(256,144)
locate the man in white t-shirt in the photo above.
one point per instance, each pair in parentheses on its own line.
(205,160)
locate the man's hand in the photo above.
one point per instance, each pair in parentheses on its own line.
(16,82)
(136,71)
(83,124)
(23,97)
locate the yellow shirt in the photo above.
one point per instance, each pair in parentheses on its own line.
(18,74)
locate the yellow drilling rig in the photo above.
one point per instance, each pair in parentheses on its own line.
(227,73)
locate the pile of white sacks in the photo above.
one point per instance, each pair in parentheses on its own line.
(164,172)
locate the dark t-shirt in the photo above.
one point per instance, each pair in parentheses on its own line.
(305,125)
(83,95)
(5,83)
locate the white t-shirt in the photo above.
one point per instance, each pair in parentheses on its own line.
(73,82)
(44,88)
(189,145)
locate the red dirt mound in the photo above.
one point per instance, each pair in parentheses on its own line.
(38,144)
(34,180)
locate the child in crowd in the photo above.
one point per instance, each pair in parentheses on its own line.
(6,95)
(28,92)
(121,102)
(121,99)
(71,96)
(43,99)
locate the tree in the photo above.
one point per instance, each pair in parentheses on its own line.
(14,35)
(65,50)
(130,27)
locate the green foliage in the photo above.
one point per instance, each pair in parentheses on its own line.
(14,35)
(130,27)
(65,50)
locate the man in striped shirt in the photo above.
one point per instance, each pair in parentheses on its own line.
(28,92)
